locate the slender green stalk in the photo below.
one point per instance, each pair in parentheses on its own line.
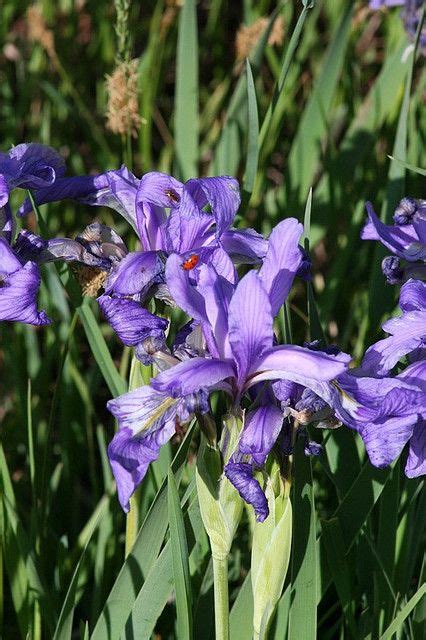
(132,524)
(221,602)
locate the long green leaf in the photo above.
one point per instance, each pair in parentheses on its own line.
(180,557)
(404,613)
(141,559)
(303,596)
(253,132)
(186,98)
(115,382)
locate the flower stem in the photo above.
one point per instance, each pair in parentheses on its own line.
(132,524)
(221,605)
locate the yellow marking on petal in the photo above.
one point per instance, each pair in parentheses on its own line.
(157,413)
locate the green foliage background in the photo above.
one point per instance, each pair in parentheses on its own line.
(324,109)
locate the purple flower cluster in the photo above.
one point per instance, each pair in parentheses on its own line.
(187,256)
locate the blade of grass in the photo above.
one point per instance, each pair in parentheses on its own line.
(303,596)
(186,97)
(253,133)
(179,548)
(398,621)
(141,559)
(100,351)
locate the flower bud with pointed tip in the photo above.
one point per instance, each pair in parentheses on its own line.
(270,553)
(220,503)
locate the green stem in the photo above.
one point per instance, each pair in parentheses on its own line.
(221,606)
(132,524)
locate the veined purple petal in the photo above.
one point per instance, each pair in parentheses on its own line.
(150,223)
(186,226)
(245,246)
(384,439)
(397,239)
(191,375)
(8,260)
(182,291)
(114,189)
(217,293)
(282,261)
(250,323)
(147,421)
(18,296)
(130,457)
(220,260)
(131,322)
(240,474)
(4,190)
(159,189)
(188,298)
(222,193)
(298,364)
(412,296)
(261,429)
(135,274)
(416,462)
(407,333)
(142,410)
(32,166)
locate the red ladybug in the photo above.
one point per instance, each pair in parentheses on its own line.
(191,262)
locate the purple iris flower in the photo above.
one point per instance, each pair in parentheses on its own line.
(406,239)
(237,324)
(29,166)
(169,217)
(407,332)
(388,413)
(19,284)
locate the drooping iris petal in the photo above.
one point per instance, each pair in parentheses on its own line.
(412,296)
(146,421)
(416,462)
(241,476)
(408,332)
(191,375)
(397,239)
(18,296)
(29,166)
(130,457)
(282,261)
(261,429)
(8,259)
(384,439)
(115,189)
(298,364)
(135,274)
(222,193)
(250,323)
(245,246)
(131,322)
